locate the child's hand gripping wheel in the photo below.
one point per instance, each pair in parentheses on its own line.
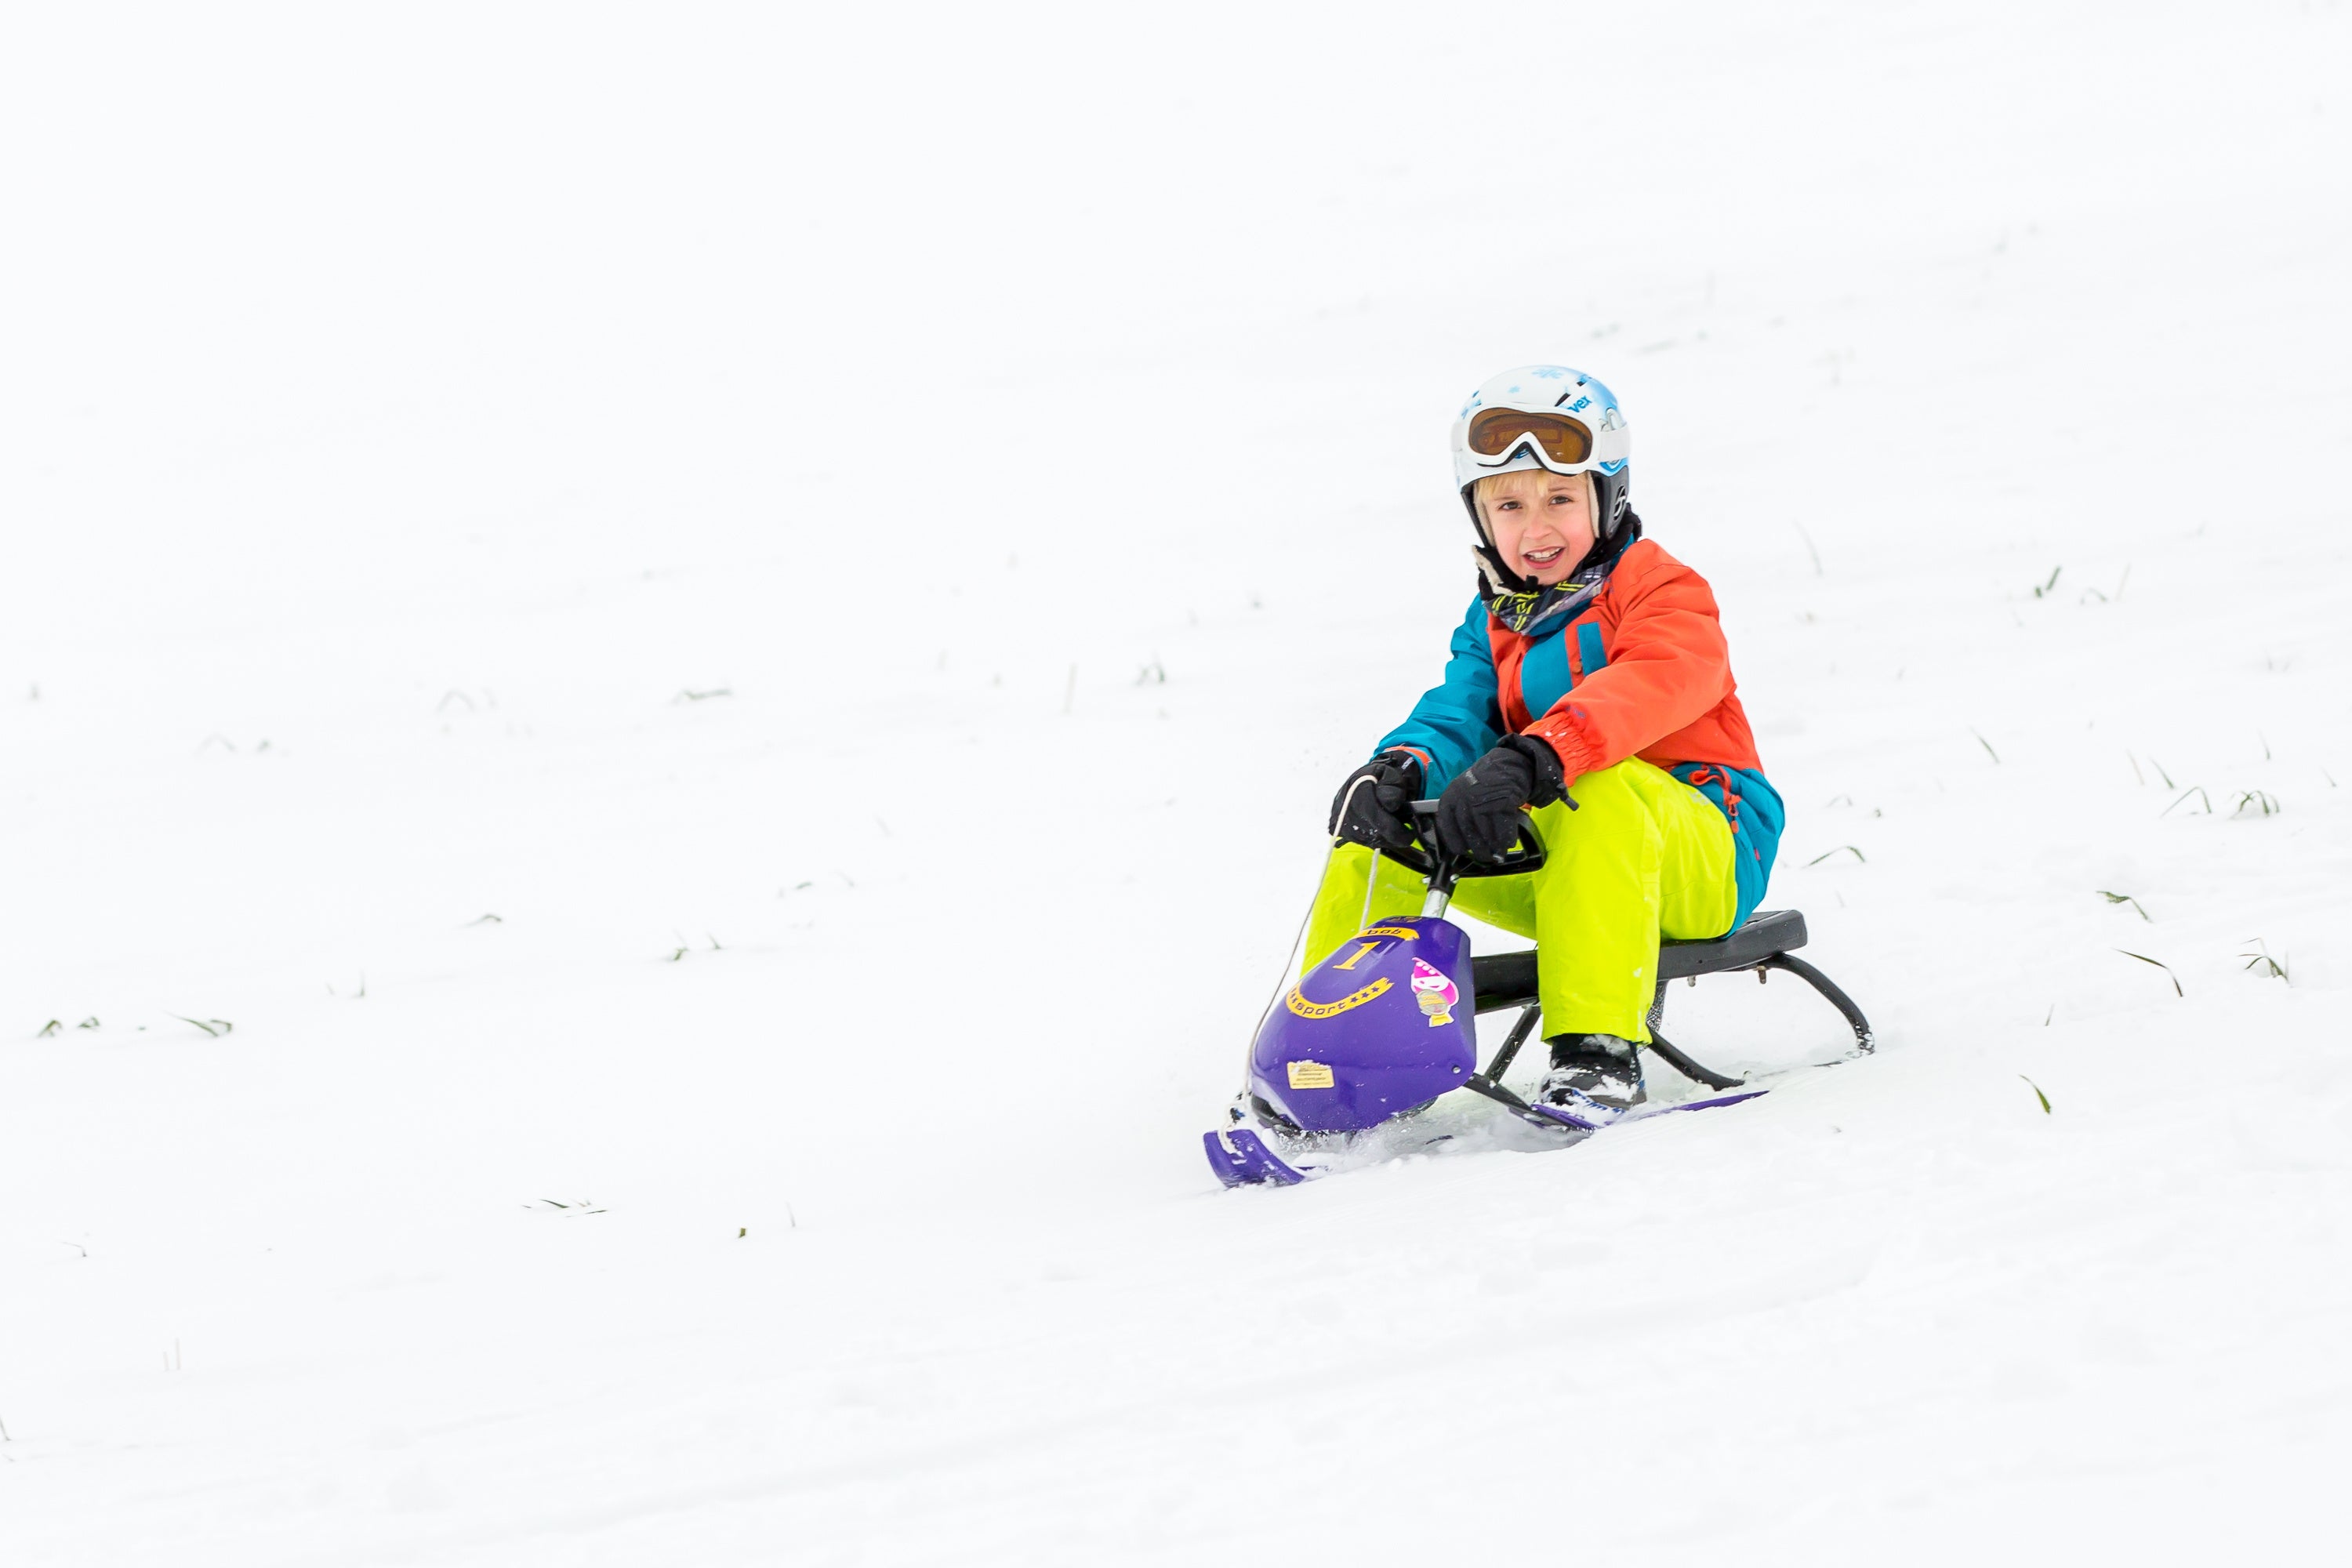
(1479,815)
(1428,856)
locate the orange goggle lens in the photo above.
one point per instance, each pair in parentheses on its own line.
(1496,431)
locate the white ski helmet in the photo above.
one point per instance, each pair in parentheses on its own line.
(1572,424)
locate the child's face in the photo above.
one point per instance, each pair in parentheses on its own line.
(1540,522)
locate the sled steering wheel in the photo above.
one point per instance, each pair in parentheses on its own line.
(1524,856)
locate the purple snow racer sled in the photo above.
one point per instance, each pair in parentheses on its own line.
(1387,1023)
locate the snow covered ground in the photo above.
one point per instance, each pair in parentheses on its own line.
(722,636)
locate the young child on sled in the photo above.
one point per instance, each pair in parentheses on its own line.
(1590,668)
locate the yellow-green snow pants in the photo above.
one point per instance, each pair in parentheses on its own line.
(1642,856)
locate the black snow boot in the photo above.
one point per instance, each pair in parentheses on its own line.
(1597,1077)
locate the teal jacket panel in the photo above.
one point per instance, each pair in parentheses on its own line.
(1748,800)
(1458,720)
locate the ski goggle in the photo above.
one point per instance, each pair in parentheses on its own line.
(1496,431)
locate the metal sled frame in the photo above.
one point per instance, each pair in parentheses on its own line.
(1505,980)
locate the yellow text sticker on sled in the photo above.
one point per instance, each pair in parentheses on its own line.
(1297,1003)
(1309,1075)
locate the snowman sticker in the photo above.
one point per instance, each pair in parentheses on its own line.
(1436,994)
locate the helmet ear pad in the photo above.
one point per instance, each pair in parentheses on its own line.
(1609,499)
(1497,577)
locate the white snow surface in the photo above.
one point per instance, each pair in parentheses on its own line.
(723,633)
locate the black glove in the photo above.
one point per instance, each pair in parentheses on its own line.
(1478,815)
(1370,807)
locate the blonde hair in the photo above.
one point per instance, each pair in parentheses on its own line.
(1490,483)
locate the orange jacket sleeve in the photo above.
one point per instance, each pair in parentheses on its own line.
(1668,666)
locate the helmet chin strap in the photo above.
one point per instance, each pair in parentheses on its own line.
(1494,579)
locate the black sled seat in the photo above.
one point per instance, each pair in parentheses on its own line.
(1505,980)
